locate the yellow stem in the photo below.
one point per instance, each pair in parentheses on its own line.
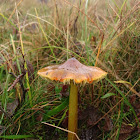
(73,111)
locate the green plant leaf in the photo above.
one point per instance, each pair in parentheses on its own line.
(108,95)
(57,109)
(16,136)
(58,89)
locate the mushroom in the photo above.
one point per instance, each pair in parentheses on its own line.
(72,72)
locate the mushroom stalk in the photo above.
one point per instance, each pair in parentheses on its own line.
(74,72)
(73,110)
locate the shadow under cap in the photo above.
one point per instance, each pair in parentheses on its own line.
(72,69)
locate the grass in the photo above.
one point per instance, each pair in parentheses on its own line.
(105,34)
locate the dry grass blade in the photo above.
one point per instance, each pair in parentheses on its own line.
(84,15)
(118,78)
(15,9)
(116,104)
(62,129)
(99,48)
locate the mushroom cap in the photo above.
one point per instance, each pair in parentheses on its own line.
(72,69)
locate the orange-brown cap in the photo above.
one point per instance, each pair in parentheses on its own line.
(72,69)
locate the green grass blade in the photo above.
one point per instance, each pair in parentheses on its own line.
(62,118)
(57,109)
(15,53)
(16,136)
(5,96)
(125,99)
(8,20)
(108,95)
(45,35)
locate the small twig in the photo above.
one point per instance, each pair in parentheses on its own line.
(23,55)
(18,79)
